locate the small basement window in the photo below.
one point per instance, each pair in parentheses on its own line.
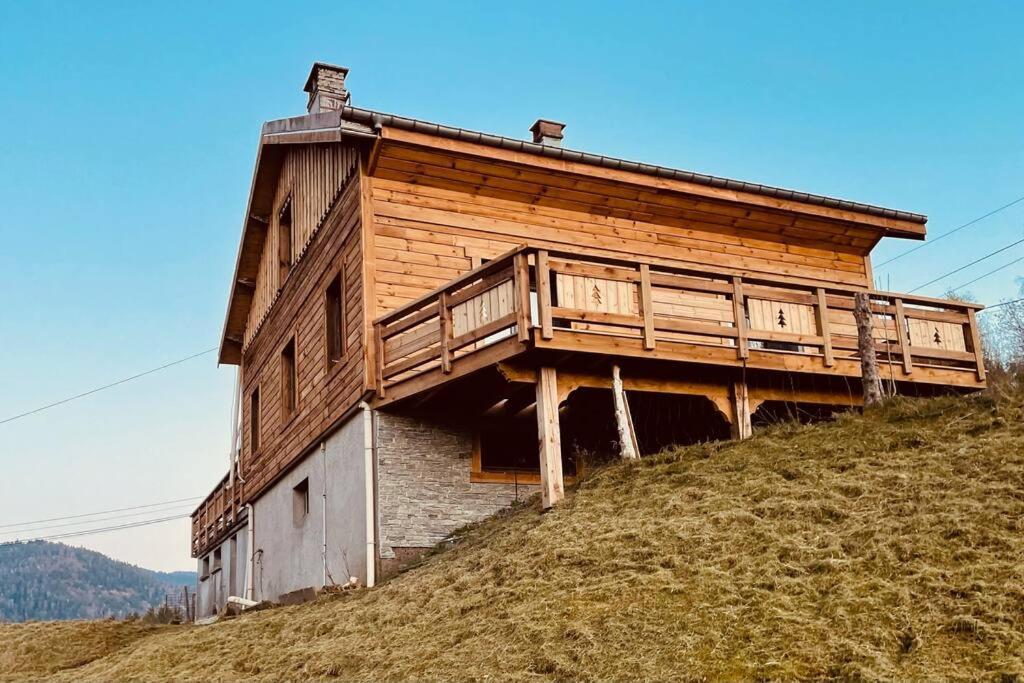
(254,420)
(505,451)
(300,501)
(285,249)
(335,305)
(289,380)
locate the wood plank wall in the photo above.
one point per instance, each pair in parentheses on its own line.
(324,393)
(312,175)
(434,212)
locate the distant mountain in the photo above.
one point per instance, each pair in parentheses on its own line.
(41,581)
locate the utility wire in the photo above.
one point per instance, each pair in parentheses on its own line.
(1001,303)
(180,507)
(101,512)
(991,272)
(106,386)
(953,272)
(944,235)
(90,532)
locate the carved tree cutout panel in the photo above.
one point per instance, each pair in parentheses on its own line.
(596,294)
(937,335)
(778,316)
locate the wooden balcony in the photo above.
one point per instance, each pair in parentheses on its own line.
(532,300)
(217,516)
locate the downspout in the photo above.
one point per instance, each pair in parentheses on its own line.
(371,507)
(323,527)
(250,551)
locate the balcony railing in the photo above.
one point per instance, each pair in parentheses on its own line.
(216,516)
(537,298)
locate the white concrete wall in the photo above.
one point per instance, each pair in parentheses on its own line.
(214,588)
(289,547)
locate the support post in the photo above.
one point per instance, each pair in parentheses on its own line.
(740,400)
(979,351)
(870,377)
(552,489)
(901,336)
(739,317)
(445,315)
(521,274)
(627,438)
(823,328)
(647,306)
(544,295)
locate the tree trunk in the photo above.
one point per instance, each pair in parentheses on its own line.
(870,377)
(626,442)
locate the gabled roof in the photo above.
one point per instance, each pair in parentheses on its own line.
(353,123)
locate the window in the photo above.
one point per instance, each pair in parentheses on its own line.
(254,420)
(216,560)
(206,567)
(289,380)
(300,501)
(335,322)
(505,451)
(284,241)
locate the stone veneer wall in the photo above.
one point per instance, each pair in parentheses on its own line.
(423,487)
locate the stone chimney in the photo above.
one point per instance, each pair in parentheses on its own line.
(326,88)
(547,132)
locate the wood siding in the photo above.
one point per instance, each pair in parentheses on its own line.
(434,213)
(325,391)
(312,177)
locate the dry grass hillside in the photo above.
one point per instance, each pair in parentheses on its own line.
(886,546)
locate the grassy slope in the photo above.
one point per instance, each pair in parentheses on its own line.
(887,546)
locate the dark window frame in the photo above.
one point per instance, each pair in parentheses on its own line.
(336,337)
(289,388)
(285,237)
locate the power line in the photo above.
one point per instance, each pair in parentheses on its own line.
(1001,303)
(113,518)
(991,272)
(1018,200)
(953,272)
(90,532)
(101,512)
(106,386)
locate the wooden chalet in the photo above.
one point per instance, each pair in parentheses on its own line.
(445,286)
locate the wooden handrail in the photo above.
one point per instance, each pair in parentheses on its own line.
(409,356)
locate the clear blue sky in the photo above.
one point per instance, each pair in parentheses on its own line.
(129,132)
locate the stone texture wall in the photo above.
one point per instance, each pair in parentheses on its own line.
(423,487)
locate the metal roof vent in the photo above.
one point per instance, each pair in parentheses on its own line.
(547,132)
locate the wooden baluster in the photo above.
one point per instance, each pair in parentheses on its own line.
(901,335)
(975,337)
(521,275)
(739,317)
(821,312)
(445,315)
(647,305)
(544,295)
(378,340)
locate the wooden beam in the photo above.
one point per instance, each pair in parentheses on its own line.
(521,275)
(647,305)
(549,436)
(979,355)
(544,295)
(821,311)
(445,316)
(739,317)
(740,405)
(901,335)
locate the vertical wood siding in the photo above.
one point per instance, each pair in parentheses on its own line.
(312,176)
(325,390)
